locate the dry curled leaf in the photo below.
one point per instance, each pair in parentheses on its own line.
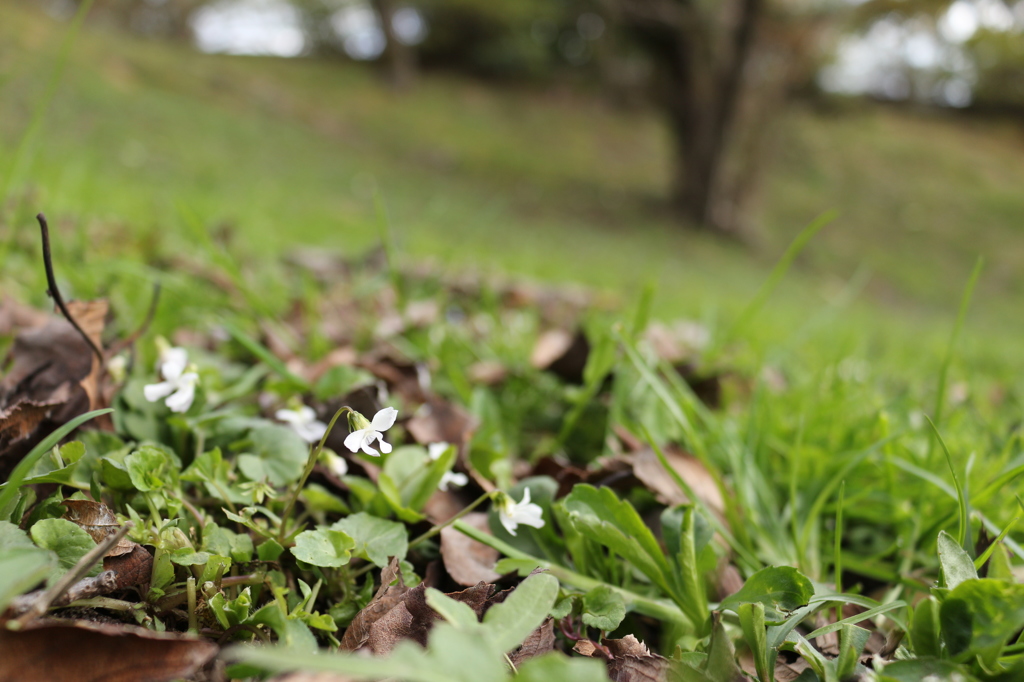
(628,659)
(561,353)
(467,561)
(52,376)
(388,596)
(648,468)
(96,519)
(537,643)
(57,650)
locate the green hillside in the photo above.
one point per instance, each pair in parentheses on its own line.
(552,185)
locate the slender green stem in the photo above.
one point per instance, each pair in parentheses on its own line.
(839,548)
(441,526)
(193,621)
(654,608)
(310,463)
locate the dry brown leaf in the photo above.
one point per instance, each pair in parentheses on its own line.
(537,643)
(96,519)
(467,561)
(628,659)
(561,353)
(52,377)
(131,569)
(440,421)
(487,372)
(57,650)
(16,316)
(633,662)
(647,467)
(388,596)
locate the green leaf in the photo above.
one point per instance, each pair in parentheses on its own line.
(603,608)
(924,633)
(323,547)
(753,624)
(14,481)
(149,469)
(186,556)
(284,454)
(291,633)
(511,621)
(957,565)
(555,666)
(269,550)
(455,612)
(22,564)
(979,616)
(600,515)
(66,539)
(780,588)
(375,539)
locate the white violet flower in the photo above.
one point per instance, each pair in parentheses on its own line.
(178,384)
(362,438)
(435,450)
(336,463)
(303,421)
(512,513)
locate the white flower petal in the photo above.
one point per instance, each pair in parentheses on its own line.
(509,524)
(182,399)
(435,450)
(154,392)
(354,440)
(173,362)
(384,420)
(310,433)
(288,416)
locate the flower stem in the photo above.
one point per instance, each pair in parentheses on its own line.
(441,526)
(656,608)
(310,463)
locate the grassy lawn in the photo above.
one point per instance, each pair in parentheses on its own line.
(157,164)
(146,143)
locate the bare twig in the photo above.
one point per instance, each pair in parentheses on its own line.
(51,595)
(54,292)
(86,588)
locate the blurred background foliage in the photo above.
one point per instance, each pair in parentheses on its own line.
(610,142)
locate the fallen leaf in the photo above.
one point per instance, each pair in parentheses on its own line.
(633,662)
(537,643)
(58,650)
(96,519)
(439,421)
(648,468)
(387,597)
(561,353)
(467,561)
(487,372)
(52,377)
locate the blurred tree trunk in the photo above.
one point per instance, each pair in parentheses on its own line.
(723,70)
(399,58)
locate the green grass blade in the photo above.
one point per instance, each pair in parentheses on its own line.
(264,355)
(962,532)
(774,277)
(965,302)
(10,488)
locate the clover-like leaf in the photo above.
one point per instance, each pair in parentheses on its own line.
(603,608)
(375,539)
(324,547)
(780,588)
(66,539)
